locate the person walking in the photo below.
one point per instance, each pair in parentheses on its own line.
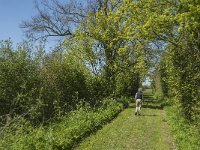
(138,98)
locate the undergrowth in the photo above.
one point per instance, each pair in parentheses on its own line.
(64,134)
(186,135)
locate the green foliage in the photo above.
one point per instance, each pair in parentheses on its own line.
(127,83)
(63,134)
(186,135)
(179,64)
(180,78)
(157,86)
(19,82)
(44,86)
(106,37)
(63,85)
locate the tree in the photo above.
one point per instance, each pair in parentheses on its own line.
(54,19)
(105,40)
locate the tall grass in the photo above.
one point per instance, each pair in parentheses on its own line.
(186,135)
(63,134)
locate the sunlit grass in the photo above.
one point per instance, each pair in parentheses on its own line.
(129,132)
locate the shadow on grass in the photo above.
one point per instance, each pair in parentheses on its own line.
(153,106)
(93,130)
(149,106)
(151,101)
(149,115)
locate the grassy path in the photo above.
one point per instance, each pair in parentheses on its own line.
(129,132)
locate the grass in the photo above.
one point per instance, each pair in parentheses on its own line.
(149,131)
(185,134)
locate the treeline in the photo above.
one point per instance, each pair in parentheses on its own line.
(45,86)
(178,71)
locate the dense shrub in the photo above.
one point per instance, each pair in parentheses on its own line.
(43,86)
(180,81)
(19,82)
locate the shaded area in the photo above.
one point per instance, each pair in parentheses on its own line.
(153,106)
(150,115)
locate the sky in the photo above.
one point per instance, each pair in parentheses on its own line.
(12,13)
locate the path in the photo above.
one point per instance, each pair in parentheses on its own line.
(129,132)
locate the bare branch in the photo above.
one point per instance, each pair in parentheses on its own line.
(54,18)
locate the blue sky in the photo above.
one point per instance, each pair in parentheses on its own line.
(12,13)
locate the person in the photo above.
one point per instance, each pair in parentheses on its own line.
(138,98)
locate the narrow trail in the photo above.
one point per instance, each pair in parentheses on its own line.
(149,131)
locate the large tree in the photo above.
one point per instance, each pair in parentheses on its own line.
(56,18)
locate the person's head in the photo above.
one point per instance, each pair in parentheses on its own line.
(140,90)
